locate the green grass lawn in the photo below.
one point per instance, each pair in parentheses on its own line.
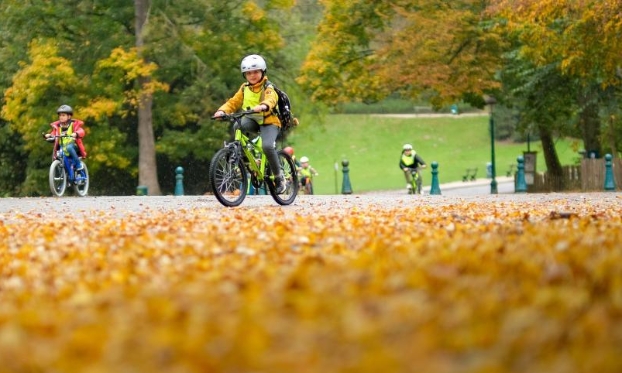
(372,145)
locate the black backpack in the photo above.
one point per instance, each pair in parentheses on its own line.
(283,109)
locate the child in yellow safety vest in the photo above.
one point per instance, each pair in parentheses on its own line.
(306,173)
(256,94)
(411,162)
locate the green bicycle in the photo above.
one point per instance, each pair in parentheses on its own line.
(415,181)
(241,160)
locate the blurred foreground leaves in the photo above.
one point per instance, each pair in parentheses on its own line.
(468,287)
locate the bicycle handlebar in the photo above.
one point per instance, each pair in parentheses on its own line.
(234,116)
(52,138)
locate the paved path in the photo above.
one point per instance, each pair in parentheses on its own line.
(46,207)
(478,187)
(432,115)
(505,185)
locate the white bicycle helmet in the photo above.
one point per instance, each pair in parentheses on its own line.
(304,160)
(407,147)
(253,62)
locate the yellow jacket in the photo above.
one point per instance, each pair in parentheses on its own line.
(270,99)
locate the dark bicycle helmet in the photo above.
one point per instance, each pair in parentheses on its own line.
(64,109)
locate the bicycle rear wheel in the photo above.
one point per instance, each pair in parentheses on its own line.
(81,185)
(228,177)
(288,169)
(57,178)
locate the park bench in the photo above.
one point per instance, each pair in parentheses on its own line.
(469,174)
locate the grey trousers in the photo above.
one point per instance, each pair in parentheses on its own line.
(268,133)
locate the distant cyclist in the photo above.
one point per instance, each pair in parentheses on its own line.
(411,163)
(306,173)
(67,126)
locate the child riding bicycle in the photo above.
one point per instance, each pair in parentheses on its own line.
(66,126)
(306,173)
(256,95)
(411,163)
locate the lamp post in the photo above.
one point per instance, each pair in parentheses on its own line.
(490,101)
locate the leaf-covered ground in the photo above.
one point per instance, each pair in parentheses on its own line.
(454,287)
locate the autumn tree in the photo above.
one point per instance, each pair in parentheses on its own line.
(581,38)
(367,50)
(544,97)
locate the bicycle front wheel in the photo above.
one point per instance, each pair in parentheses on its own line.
(81,186)
(288,170)
(418,183)
(228,177)
(57,178)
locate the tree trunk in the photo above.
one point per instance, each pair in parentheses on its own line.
(554,169)
(589,123)
(147,165)
(612,137)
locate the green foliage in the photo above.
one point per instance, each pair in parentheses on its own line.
(196,143)
(372,145)
(13,160)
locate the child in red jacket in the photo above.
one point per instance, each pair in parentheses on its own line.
(66,126)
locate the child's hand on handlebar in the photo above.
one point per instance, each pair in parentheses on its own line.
(259,108)
(219,114)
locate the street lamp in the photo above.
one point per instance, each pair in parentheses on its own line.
(490,101)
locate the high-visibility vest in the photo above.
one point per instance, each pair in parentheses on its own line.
(252,99)
(64,141)
(409,161)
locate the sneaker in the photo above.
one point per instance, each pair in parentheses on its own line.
(280,185)
(409,186)
(80,167)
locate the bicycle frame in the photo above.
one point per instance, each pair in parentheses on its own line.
(244,141)
(241,140)
(414,180)
(66,160)
(242,163)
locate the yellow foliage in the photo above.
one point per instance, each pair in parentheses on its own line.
(100,108)
(282,4)
(133,69)
(450,287)
(46,71)
(583,35)
(253,11)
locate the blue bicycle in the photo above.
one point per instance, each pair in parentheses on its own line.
(62,173)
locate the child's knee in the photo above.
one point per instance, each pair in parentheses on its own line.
(268,148)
